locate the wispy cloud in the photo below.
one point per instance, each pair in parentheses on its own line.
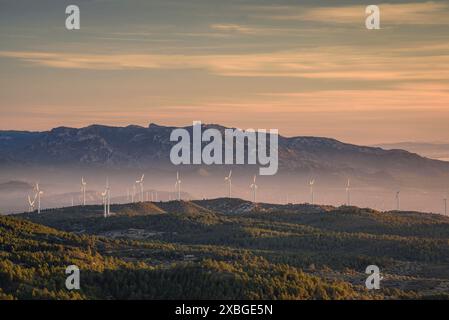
(418,13)
(253,30)
(417,96)
(351,63)
(233,28)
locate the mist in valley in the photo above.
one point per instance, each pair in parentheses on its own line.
(62,187)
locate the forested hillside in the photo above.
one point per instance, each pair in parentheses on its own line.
(223,249)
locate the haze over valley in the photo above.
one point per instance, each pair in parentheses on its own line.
(58,158)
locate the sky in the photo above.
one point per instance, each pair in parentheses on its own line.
(303,67)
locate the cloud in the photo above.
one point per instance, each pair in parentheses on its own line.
(417,96)
(349,63)
(427,13)
(233,28)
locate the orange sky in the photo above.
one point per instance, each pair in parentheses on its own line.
(305,69)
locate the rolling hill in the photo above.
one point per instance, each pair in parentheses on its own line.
(34,257)
(233,239)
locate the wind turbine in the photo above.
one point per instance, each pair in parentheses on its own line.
(311,183)
(229,180)
(445,204)
(31,203)
(253,186)
(108,198)
(83,190)
(104,197)
(398,200)
(133,194)
(348,193)
(127,194)
(178,186)
(140,182)
(39,193)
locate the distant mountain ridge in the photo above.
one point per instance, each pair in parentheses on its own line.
(438,151)
(15,186)
(149,147)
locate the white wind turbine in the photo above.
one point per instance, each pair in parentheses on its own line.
(311,183)
(445,204)
(229,180)
(83,190)
(253,186)
(140,183)
(39,193)
(104,197)
(31,203)
(108,198)
(133,194)
(348,193)
(178,186)
(398,200)
(175,194)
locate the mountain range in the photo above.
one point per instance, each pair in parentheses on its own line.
(149,147)
(436,150)
(59,157)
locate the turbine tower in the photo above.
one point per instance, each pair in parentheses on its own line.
(398,200)
(445,204)
(178,186)
(108,198)
(348,193)
(229,180)
(39,193)
(253,186)
(31,203)
(104,197)
(83,190)
(311,183)
(140,183)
